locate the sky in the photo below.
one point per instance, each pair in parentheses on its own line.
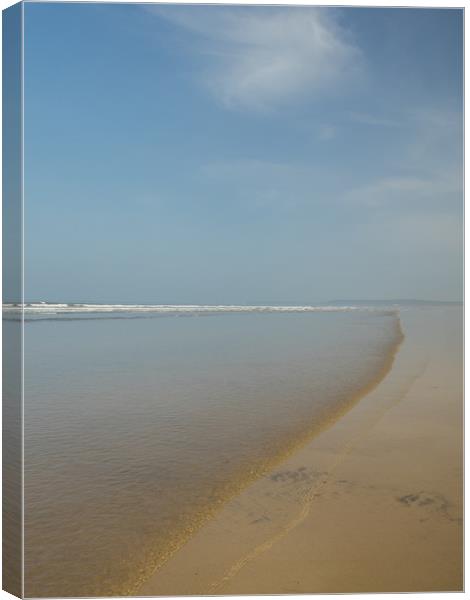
(228,154)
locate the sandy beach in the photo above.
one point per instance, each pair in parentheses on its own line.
(233,299)
(372,504)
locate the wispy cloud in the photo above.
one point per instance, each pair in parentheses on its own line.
(408,191)
(438,140)
(259,183)
(263,59)
(326,133)
(374,120)
(428,173)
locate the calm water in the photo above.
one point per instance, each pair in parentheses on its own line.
(136,430)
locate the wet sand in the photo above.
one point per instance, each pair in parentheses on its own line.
(373,504)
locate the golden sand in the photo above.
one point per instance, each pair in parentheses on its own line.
(373,504)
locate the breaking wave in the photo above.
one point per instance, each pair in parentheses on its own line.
(45,309)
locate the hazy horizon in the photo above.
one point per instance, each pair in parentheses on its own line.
(255,302)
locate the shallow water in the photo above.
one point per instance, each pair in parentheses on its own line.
(137,430)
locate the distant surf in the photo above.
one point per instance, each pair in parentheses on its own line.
(50,309)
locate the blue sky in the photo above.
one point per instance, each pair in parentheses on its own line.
(198,154)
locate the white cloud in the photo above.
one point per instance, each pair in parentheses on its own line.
(326,133)
(430,166)
(373,120)
(438,139)
(264,58)
(259,183)
(247,169)
(390,191)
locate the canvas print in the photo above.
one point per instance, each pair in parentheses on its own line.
(232,299)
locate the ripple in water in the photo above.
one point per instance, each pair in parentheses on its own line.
(137,430)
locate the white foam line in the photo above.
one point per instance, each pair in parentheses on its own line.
(46,308)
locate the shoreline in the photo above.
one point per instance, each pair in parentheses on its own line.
(178,494)
(253,544)
(260,471)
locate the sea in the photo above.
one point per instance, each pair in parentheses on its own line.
(141,421)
